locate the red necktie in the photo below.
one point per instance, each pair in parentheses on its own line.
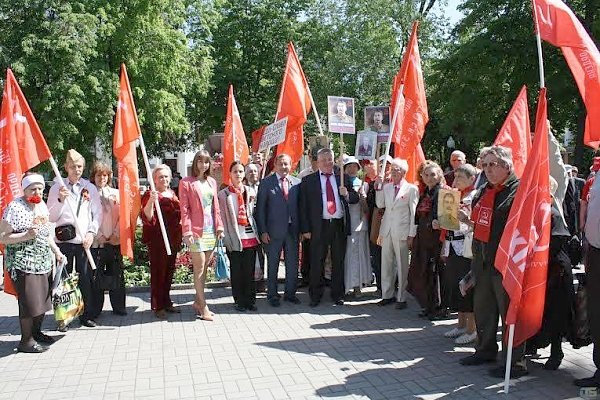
(331,207)
(284,188)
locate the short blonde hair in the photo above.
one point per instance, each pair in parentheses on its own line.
(160,167)
(103,168)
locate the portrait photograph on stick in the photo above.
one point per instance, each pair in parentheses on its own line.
(366,145)
(341,114)
(377,119)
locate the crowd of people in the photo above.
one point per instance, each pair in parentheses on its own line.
(345,231)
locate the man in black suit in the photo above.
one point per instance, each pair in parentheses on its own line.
(325,220)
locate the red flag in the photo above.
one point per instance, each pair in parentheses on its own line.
(22,147)
(127,131)
(257,137)
(522,256)
(414,162)
(235,146)
(516,132)
(559,26)
(294,103)
(415,115)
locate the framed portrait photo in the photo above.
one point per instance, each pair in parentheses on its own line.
(448,203)
(341,115)
(366,145)
(377,119)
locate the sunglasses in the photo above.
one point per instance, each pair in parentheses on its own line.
(491,164)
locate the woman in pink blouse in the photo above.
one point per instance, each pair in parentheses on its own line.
(201,223)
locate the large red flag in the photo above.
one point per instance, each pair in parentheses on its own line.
(22,147)
(235,146)
(559,26)
(415,103)
(127,131)
(414,162)
(516,132)
(522,256)
(294,103)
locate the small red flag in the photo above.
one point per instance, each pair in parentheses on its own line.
(522,256)
(559,26)
(235,146)
(294,103)
(22,147)
(516,132)
(415,115)
(257,138)
(127,131)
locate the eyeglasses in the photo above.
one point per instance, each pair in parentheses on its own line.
(491,164)
(430,175)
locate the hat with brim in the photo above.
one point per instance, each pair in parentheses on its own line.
(351,160)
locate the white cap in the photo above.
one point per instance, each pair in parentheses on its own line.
(30,179)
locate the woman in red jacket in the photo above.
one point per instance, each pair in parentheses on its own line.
(201,223)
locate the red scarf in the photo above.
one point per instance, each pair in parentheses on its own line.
(482,214)
(242,217)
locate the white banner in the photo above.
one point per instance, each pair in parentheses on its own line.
(273,135)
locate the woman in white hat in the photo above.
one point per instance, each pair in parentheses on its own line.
(30,251)
(357,269)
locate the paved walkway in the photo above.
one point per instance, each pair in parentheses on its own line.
(356,351)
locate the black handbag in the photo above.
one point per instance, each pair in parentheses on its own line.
(580,334)
(65,232)
(104,281)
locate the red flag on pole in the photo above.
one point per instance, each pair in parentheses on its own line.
(127,131)
(516,132)
(559,26)
(22,147)
(522,256)
(294,103)
(257,137)
(235,146)
(415,103)
(414,162)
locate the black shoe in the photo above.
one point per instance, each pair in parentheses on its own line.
(302,284)
(274,302)
(293,300)
(592,381)
(252,308)
(35,348)
(314,303)
(516,371)
(439,315)
(339,302)
(553,363)
(62,328)
(42,338)
(385,302)
(240,308)
(423,314)
(120,313)
(474,359)
(401,305)
(89,323)
(277,296)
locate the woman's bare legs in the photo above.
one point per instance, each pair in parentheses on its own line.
(200,265)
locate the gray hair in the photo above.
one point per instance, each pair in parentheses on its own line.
(458,153)
(325,151)
(504,154)
(282,155)
(400,163)
(252,165)
(161,167)
(467,169)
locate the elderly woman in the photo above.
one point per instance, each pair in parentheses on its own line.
(490,210)
(30,251)
(424,263)
(162,266)
(457,265)
(201,224)
(357,269)
(106,246)
(236,203)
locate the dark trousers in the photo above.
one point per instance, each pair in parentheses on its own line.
(109,259)
(162,268)
(305,266)
(490,302)
(376,263)
(593,303)
(332,237)
(76,252)
(289,244)
(243,287)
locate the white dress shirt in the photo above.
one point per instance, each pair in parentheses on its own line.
(339,211)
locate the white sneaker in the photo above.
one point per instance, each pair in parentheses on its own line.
(466,338)
(456,332)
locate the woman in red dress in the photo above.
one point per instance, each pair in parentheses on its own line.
(162,266)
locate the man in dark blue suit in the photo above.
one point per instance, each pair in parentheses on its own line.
(277,222)
(325,220)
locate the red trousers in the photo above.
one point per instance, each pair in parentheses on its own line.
(162,268)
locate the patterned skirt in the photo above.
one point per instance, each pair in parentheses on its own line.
(207,242)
